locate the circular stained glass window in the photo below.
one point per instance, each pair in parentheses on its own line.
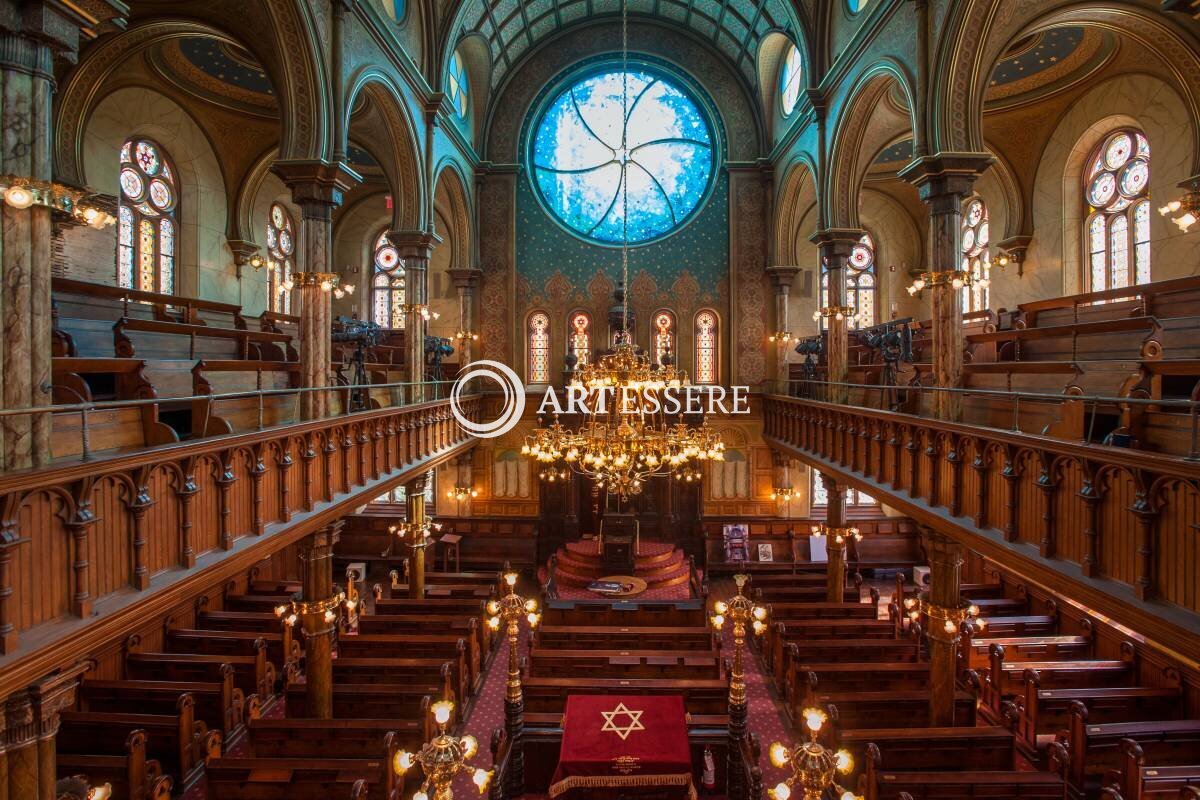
(277,216)
(623,155)
(131,184)
(147,158)
(160,194)
(1121,173)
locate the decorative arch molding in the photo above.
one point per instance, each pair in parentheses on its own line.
(1018,220)
(796,196)
(402,164)
(241,222)
(964,66)
(306,130)
(303,121)
(450,185)
(734,106)
(772,51)
(848,155)
(477,58)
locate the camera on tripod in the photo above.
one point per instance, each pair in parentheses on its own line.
(363,334)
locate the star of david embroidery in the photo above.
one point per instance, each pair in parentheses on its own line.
(635,721)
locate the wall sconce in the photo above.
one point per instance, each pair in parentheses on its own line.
(836,312)
(21,193)
(782,338)
(422,309)
(327,282)
(956,279)
(460,493)
(1184,212)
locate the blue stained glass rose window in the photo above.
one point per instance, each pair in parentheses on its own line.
(623,139)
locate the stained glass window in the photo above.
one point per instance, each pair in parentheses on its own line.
(857,5)
(387,287)
(281,246)
(1117,232)
(706,347)
(146,219)
(853,496)
(976,259)
(860,285)
(790,81)
(618,140)
(580,337)
(539,348)
(664,338)
(456,84)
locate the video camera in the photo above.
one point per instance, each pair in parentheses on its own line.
(361,332)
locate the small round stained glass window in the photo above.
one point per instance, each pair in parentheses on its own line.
(622,156)
(1121,173)
(131,184)
(147,158)
(160,194)
(1103,189)
(1118,150)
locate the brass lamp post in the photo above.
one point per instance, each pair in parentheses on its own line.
(510,610)
(814,766)
(442,758)
(740,611)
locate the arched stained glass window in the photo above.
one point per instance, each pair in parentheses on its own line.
(281,245)
(579,337)
(456,84)
(975,257)
(664,338)
(853,496)
(706,347)
(146,216)
(860,285)
(617,139)
(387,287)
(1117,191)
(539,347)
(790,80)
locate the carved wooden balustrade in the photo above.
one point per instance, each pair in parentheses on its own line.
(89,541)
(1120,527)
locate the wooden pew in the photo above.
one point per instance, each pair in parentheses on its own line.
(549,694)
(1095,748)
(297,778)
(1170,298)
(887,709)
(649,638)
(241,414)
(461,652)
(82,380)
(86,300)
(1005,678)
(220,704)
(131,774)
(141,338)
(967,784)
(280,647)
(467,627)
(432,605)
(180,743)
(371,701)
(1022,625)
(1042,713)
(974,653)
(253,674)
(624,663)
(588,613)
(1140,778)
(435,676)
(808,680)
(331,738)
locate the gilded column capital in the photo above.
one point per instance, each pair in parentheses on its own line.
(415,245)
(32,713)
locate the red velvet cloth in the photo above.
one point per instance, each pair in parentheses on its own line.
(624,741)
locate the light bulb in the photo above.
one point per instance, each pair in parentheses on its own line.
(494,623)
(957,283)
(403,762)
(720,607)
(100,792)
(420,796)
(949,626)
(441,711)
(18,197)
(510,578)
(778,754)
(718,621)
(533,619)
(919,283)
(845,762)
(481,779)
(781,792)
(814,718)
(1186,222)
(530,606)
(1170,208)
(470,746)
(349,287)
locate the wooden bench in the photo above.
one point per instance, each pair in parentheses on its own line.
(1169,298)
(967,784)
(217,417)
(1096,340)
(549,694)
(588,613)
(1139,778)
(808,680)
(1043,713)
(87,300)
(143,338)
(180,743)
(253,674)
(463,652)
(371,701)
(131,774)
(974,653)
(648,638)
(433,605)
(332,738)
(887,709)
(467,627)
(624,663)
(1022,625)
(1005,678)
(297,778)
(281,646)
(82,380)
(1093,748)
(436,676)
(220,705)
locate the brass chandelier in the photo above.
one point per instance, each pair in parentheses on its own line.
(630,438)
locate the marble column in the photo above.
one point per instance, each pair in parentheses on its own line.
(416,250)
(414,503)
(781,279)
(317,188)
(944,182)
(27,78)
(833,250)
(316,557)
(835,521)
(466,281)
(29,721)
(945,566)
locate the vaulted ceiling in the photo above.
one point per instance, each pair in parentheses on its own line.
(735,27)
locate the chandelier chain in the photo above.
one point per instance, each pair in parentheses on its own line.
(625,168)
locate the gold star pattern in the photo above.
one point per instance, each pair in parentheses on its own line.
(635,721)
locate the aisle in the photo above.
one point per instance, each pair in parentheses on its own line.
(487,712)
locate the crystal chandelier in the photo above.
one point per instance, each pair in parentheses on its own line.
(625,442)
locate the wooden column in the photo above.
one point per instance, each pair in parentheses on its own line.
(416,249)
(316,556)
(28,724)
(945,564)
(833,248)
(835,520)
(944,182)
(317,187)
(414,502)
(781,279)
